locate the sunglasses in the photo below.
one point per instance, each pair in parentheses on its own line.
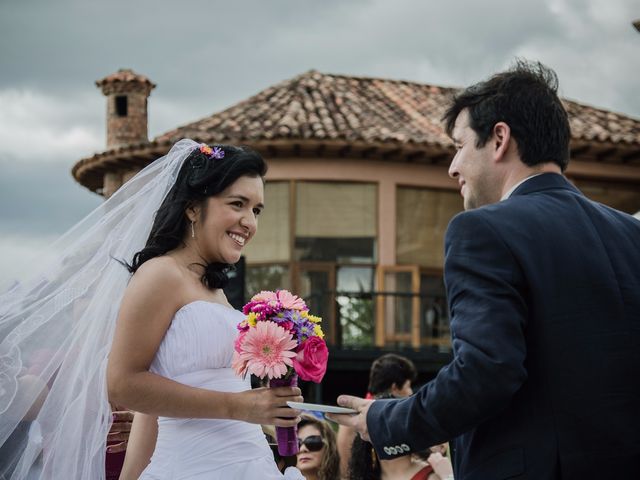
(313,443)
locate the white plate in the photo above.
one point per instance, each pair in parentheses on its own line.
(316,407)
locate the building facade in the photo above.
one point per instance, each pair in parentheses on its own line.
(358,199)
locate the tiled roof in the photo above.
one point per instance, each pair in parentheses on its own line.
(392,119)
(594,124)
(125,75)
(317,106)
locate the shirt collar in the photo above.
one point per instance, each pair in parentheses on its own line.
(512,189)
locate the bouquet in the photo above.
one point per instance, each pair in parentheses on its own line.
(281,341)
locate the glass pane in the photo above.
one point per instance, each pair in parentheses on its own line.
(434,312)
(340,250)
(344,210)
(336,222)
(422,218)
(316,291)
(266,277)
(356,320)
(397,303)
(356,316)
(355,279)
(271,241)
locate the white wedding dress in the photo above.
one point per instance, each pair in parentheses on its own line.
(197,350)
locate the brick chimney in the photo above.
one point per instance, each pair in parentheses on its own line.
(127,94)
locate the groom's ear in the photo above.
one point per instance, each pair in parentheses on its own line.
(501,136)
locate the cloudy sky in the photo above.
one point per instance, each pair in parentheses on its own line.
(205,55)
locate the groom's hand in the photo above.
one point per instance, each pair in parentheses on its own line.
(356,421)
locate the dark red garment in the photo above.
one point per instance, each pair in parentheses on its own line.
(423,474)
(113,465)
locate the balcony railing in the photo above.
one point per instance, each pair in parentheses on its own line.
(398,320)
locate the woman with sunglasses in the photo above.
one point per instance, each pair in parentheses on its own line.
(318,457)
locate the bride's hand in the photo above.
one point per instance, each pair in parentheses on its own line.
(267,406)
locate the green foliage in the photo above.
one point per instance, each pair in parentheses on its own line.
(357,320)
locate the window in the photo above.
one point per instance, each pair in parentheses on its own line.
(121,105)
(266,277)
(336,222)
(434,312)
(422,217)
(271,241)
(397,311)
(355,306)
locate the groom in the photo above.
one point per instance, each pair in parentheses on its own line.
(544,293)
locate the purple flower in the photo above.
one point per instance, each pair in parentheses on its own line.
(281,317)
(291,315)
(217,152)
(303,329)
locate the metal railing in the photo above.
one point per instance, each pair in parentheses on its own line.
(351,319)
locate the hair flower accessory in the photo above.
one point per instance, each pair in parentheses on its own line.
(215,152)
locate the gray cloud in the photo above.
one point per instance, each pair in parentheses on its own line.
(206,55)
(216,53)
(40,199)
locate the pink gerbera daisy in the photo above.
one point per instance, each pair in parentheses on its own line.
(268,350)
(239,365)
(265,296)
(289,300)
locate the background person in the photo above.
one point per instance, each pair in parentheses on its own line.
(318,457)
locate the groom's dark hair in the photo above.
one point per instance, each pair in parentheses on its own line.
(525,97)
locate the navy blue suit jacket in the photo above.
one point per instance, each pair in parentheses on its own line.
(544,294)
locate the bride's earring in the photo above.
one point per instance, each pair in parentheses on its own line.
(193,232)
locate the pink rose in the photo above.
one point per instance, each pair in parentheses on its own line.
(311,361)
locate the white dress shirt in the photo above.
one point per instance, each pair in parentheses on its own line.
(511,190)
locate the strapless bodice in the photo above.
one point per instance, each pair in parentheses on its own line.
(197,350)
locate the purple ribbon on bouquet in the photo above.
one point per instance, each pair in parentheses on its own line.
(287,437)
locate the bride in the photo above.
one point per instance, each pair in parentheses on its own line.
(159,342)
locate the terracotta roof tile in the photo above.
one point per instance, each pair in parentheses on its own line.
(317,108)
(125,75)
(334,107)
(592,123)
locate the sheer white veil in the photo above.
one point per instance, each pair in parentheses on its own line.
(56,330)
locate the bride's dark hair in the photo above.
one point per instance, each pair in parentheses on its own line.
(201,176)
